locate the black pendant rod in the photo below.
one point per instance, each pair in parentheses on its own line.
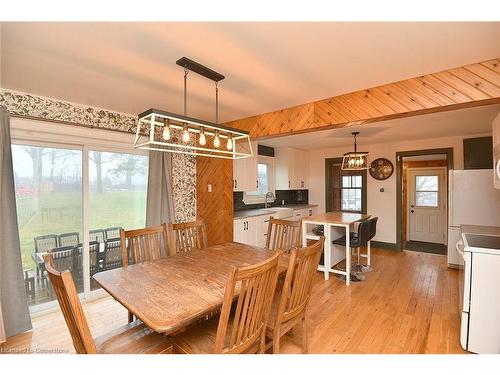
(355,145)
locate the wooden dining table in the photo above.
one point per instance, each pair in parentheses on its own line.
(171,293)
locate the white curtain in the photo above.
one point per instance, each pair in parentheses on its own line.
(14,312)
(160,205)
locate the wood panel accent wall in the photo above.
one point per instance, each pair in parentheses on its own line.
(466,86)
(414,164)
(216,208)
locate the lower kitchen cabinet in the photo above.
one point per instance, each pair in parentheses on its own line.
(251,231)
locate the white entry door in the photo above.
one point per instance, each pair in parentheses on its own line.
(427,204)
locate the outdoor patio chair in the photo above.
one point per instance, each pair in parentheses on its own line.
(68,239)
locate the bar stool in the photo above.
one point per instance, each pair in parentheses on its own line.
(373,232)
(357,239)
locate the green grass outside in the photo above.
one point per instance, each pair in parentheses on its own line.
(108,209)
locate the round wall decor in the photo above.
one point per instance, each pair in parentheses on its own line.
(381,169)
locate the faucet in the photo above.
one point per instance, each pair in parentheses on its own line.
(268,195)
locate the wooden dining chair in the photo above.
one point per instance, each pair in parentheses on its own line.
(244,330)
(187,236)
(283,235)
(289,307)
(139,245)
(132,338)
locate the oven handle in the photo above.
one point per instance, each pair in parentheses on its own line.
(460,251)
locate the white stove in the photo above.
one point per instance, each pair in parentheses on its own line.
(479,289)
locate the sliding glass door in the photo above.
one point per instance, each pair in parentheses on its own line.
(117,199)
(48,186)
(72,202)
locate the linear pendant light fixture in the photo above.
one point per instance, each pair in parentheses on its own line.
(160,130)
(355,161)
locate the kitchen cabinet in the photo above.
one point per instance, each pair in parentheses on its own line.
(245,171)
(291,168)
(251,231)
(302,213)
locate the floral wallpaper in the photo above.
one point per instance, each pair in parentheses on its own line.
(183,166)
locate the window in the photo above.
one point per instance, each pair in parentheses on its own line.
(351,193)
(74,189)
(427,191)
(265,178)
(48,187)
(345,190)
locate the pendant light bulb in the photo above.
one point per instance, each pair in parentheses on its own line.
(166,131)
(230,142)
(217,140)
(185,134)
(203,139)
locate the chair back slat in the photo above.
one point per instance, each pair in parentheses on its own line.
(245,330)
(66,294)
(302,267)
(140,245)
(283,235)
(187,236)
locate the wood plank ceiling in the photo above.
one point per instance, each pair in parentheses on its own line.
(466,86)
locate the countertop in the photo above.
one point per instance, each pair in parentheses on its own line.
(480,229)
(269,211)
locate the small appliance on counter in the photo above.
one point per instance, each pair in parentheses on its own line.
(479,289)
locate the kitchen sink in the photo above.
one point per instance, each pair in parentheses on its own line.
(281,212)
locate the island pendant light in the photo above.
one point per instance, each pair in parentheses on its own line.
(160,130)
(355,161)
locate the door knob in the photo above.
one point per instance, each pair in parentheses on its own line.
(412,211)
(412,206)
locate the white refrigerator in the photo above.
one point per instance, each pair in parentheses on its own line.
(472,200)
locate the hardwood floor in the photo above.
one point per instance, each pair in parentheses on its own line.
(408,304)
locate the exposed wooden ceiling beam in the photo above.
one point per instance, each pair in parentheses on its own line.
(466,86)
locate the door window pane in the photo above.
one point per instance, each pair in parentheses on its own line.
(118,190)
(427,199)
(427,191)
(426,183)
(48,187)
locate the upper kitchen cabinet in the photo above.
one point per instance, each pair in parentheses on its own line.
(291,168)
(245,171)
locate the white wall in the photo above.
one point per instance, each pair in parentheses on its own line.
(379,204)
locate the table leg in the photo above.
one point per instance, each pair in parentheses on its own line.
(368,253)
(327,250)
(347,255)
(304,233)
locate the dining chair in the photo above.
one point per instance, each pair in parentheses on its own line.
(289,307)
(140,245)
(132,338)
(68,239)
(98,235)
(187,236)
(43,244)
(244,330)
(112,254)
(283,235)
(112,232)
